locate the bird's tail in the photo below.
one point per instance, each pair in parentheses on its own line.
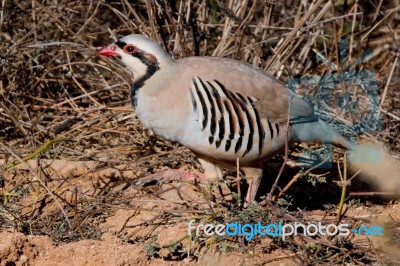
(376,166)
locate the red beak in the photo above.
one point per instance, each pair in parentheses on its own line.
(108,50)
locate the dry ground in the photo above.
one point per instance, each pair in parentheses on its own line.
(73,156)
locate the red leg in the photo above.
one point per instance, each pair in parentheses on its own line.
(253,176)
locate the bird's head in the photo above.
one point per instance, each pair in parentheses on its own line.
(139,53)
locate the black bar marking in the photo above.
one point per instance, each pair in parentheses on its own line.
(221,122)
(194,103)
(271,131)
(244,105)
(277,129)
(213,117)
(228,107)
(203,104)
(239,116)
(231,125)
(261,132)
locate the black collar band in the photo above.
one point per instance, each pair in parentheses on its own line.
(151,69)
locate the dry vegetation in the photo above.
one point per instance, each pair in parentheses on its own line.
(72,152)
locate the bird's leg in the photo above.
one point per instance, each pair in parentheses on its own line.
(213,173)
(253,177)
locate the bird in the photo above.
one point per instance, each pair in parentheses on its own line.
(223,110)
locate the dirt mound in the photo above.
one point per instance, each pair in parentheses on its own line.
(18,249)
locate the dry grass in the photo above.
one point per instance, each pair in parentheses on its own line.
(53,85)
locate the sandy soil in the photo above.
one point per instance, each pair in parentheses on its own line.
(145,234)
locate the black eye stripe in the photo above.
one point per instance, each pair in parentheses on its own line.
(127,48)
(121,44)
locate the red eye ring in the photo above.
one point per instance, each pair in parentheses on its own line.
(129,49)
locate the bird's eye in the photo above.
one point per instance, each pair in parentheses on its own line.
(130,49)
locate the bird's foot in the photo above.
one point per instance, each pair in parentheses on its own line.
(172,175)
(198,177)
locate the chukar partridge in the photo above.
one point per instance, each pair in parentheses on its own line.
(221,109)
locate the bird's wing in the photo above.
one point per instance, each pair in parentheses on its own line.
(270,97)
(226,115)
